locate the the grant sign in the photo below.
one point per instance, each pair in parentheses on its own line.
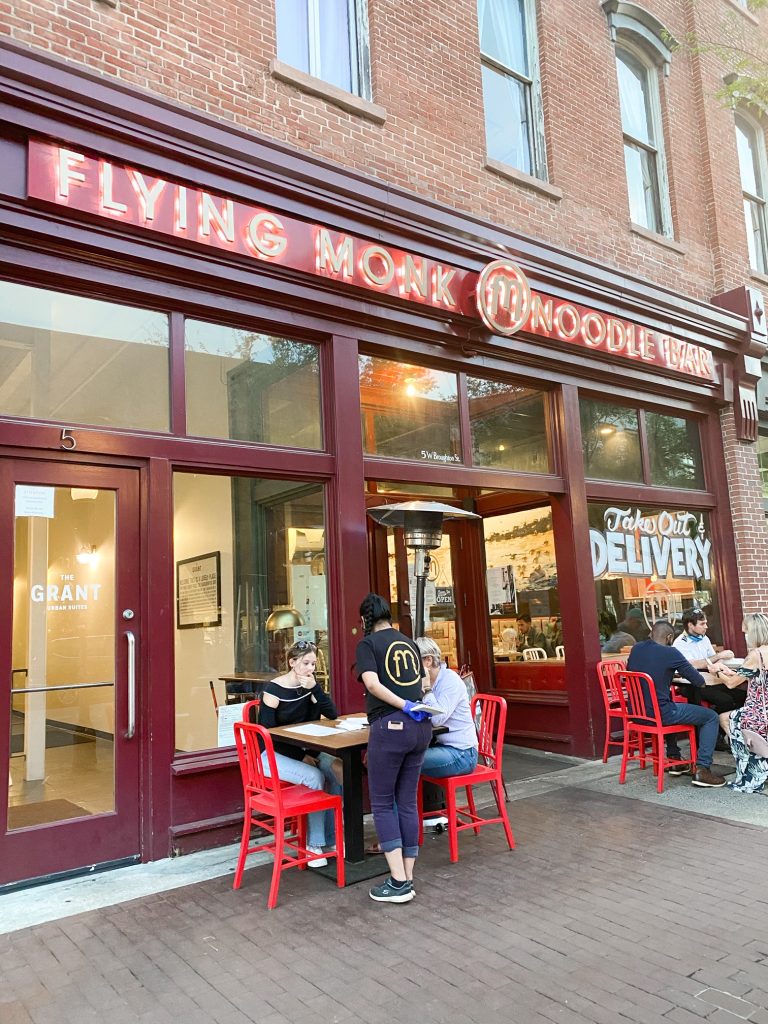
(660,545)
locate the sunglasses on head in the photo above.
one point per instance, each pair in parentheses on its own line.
(304,645)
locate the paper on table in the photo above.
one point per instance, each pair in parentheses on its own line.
(310,729)
(352,724)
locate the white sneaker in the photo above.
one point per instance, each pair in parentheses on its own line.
(319,861)
(435,823)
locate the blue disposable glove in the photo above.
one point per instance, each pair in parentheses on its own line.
(417,716)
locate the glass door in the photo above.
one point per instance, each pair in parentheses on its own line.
(69,558)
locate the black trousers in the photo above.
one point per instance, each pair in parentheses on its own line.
(720,697)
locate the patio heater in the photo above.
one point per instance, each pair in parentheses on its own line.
(422,522)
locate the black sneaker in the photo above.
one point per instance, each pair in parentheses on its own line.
(679,769)
(389,893)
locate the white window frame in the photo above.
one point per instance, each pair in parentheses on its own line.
(359,51)
(760,200)
(532,86)
(657,149)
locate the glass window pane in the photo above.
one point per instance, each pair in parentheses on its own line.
(643,187)
(757,238)
(62,738)
(503,33)
(292,33)
(507,127)
(634,83)
(610,441)
(77,360)
(762,458)
(334,44)
(252,387)
(649,564)
(674,449)
(266,541)
(749,159)
(508,425)
(409,412)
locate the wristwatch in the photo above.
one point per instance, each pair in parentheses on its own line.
(426,689)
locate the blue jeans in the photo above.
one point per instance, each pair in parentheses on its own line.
(707,726)
(303,774)
(396,746)
(441,761)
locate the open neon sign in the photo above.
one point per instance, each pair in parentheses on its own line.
(500,295)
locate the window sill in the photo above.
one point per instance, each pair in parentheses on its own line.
(332,93)
(759,277)
(525,180)
(653,236)
(743,11)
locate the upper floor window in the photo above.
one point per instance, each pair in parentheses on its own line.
(750,140)
(511,90)
(643,145)
(643,46)
(327,39)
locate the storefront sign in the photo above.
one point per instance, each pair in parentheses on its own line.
(500,295)
(198,591)
(65,596)
(657,546)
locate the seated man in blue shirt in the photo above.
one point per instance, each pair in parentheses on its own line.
(658,659)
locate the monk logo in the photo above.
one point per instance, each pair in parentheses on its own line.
(402,664)
(503,297)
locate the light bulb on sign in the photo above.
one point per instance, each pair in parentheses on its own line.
(87,555)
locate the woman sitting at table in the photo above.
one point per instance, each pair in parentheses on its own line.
(455,751)
(747,727)
(291,699)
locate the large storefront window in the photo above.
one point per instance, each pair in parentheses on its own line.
(78,360)
(250,580)
(246,386)
(522,583)
(611,441)
(508,424)
(649,564)
(409,412)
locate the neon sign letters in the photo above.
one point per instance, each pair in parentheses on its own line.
(500,295)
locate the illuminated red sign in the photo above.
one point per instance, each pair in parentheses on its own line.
(501,294)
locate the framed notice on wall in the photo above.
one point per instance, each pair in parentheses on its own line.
(198,591)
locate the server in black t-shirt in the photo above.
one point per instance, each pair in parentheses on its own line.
(390,666)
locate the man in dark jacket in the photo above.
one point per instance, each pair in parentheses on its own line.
(659,660)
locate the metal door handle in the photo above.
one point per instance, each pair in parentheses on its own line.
(131,685)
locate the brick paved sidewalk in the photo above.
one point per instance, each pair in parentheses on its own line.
(610,910)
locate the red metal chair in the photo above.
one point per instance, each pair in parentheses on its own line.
(614,709)
(251,705)
(633,687)
(273,806)
(490,734)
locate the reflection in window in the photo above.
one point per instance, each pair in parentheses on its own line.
(251,387)
(508,426)
(674,449)
(649,564)
(521,577)
(511,95)
(409,412)
(78,360)
(327,39)
(270,538)
(750,140)
(610,441)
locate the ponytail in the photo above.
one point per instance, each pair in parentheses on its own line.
(373,609)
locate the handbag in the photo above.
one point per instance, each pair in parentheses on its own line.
(468,678)
(757,744)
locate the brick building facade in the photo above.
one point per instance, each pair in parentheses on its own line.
(182,175)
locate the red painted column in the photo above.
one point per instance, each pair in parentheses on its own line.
(347,543)
(575,581)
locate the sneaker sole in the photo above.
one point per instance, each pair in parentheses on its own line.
(406,897)
(317,863)
(708,785)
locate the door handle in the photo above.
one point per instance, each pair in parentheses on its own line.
(131,685)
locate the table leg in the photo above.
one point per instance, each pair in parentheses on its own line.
(354,843)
